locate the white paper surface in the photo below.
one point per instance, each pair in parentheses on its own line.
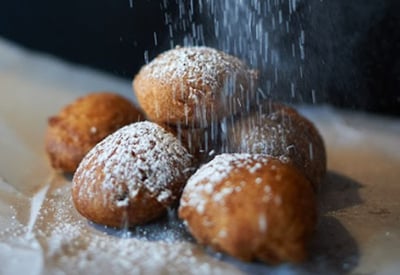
(41,233)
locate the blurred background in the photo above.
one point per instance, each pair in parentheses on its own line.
(344,53)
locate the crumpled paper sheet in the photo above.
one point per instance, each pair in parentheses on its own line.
(41,232)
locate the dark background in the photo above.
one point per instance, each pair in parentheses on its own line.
(352,47)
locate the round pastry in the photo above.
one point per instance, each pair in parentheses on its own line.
(82,124)
(193,86)
(132,176)
(252,207)
(280,131)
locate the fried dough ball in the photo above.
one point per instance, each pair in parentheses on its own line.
(82,124)
(252,207)
(193,86)
(132,176)
(280,131)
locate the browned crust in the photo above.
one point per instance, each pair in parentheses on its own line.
(83,123)
(196,96)
(101,208)
(280,131)
(289,224)
(132,176)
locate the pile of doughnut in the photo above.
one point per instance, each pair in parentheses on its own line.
(241,172)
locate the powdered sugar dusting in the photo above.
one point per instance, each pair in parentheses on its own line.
(262,223)
(198,66)
(265,136)
(69,245)
(205,179)
(136,157)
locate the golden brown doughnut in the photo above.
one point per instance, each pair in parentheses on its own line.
(280,131)
(252,207)
(132,176)
(193,86)
(82,124)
